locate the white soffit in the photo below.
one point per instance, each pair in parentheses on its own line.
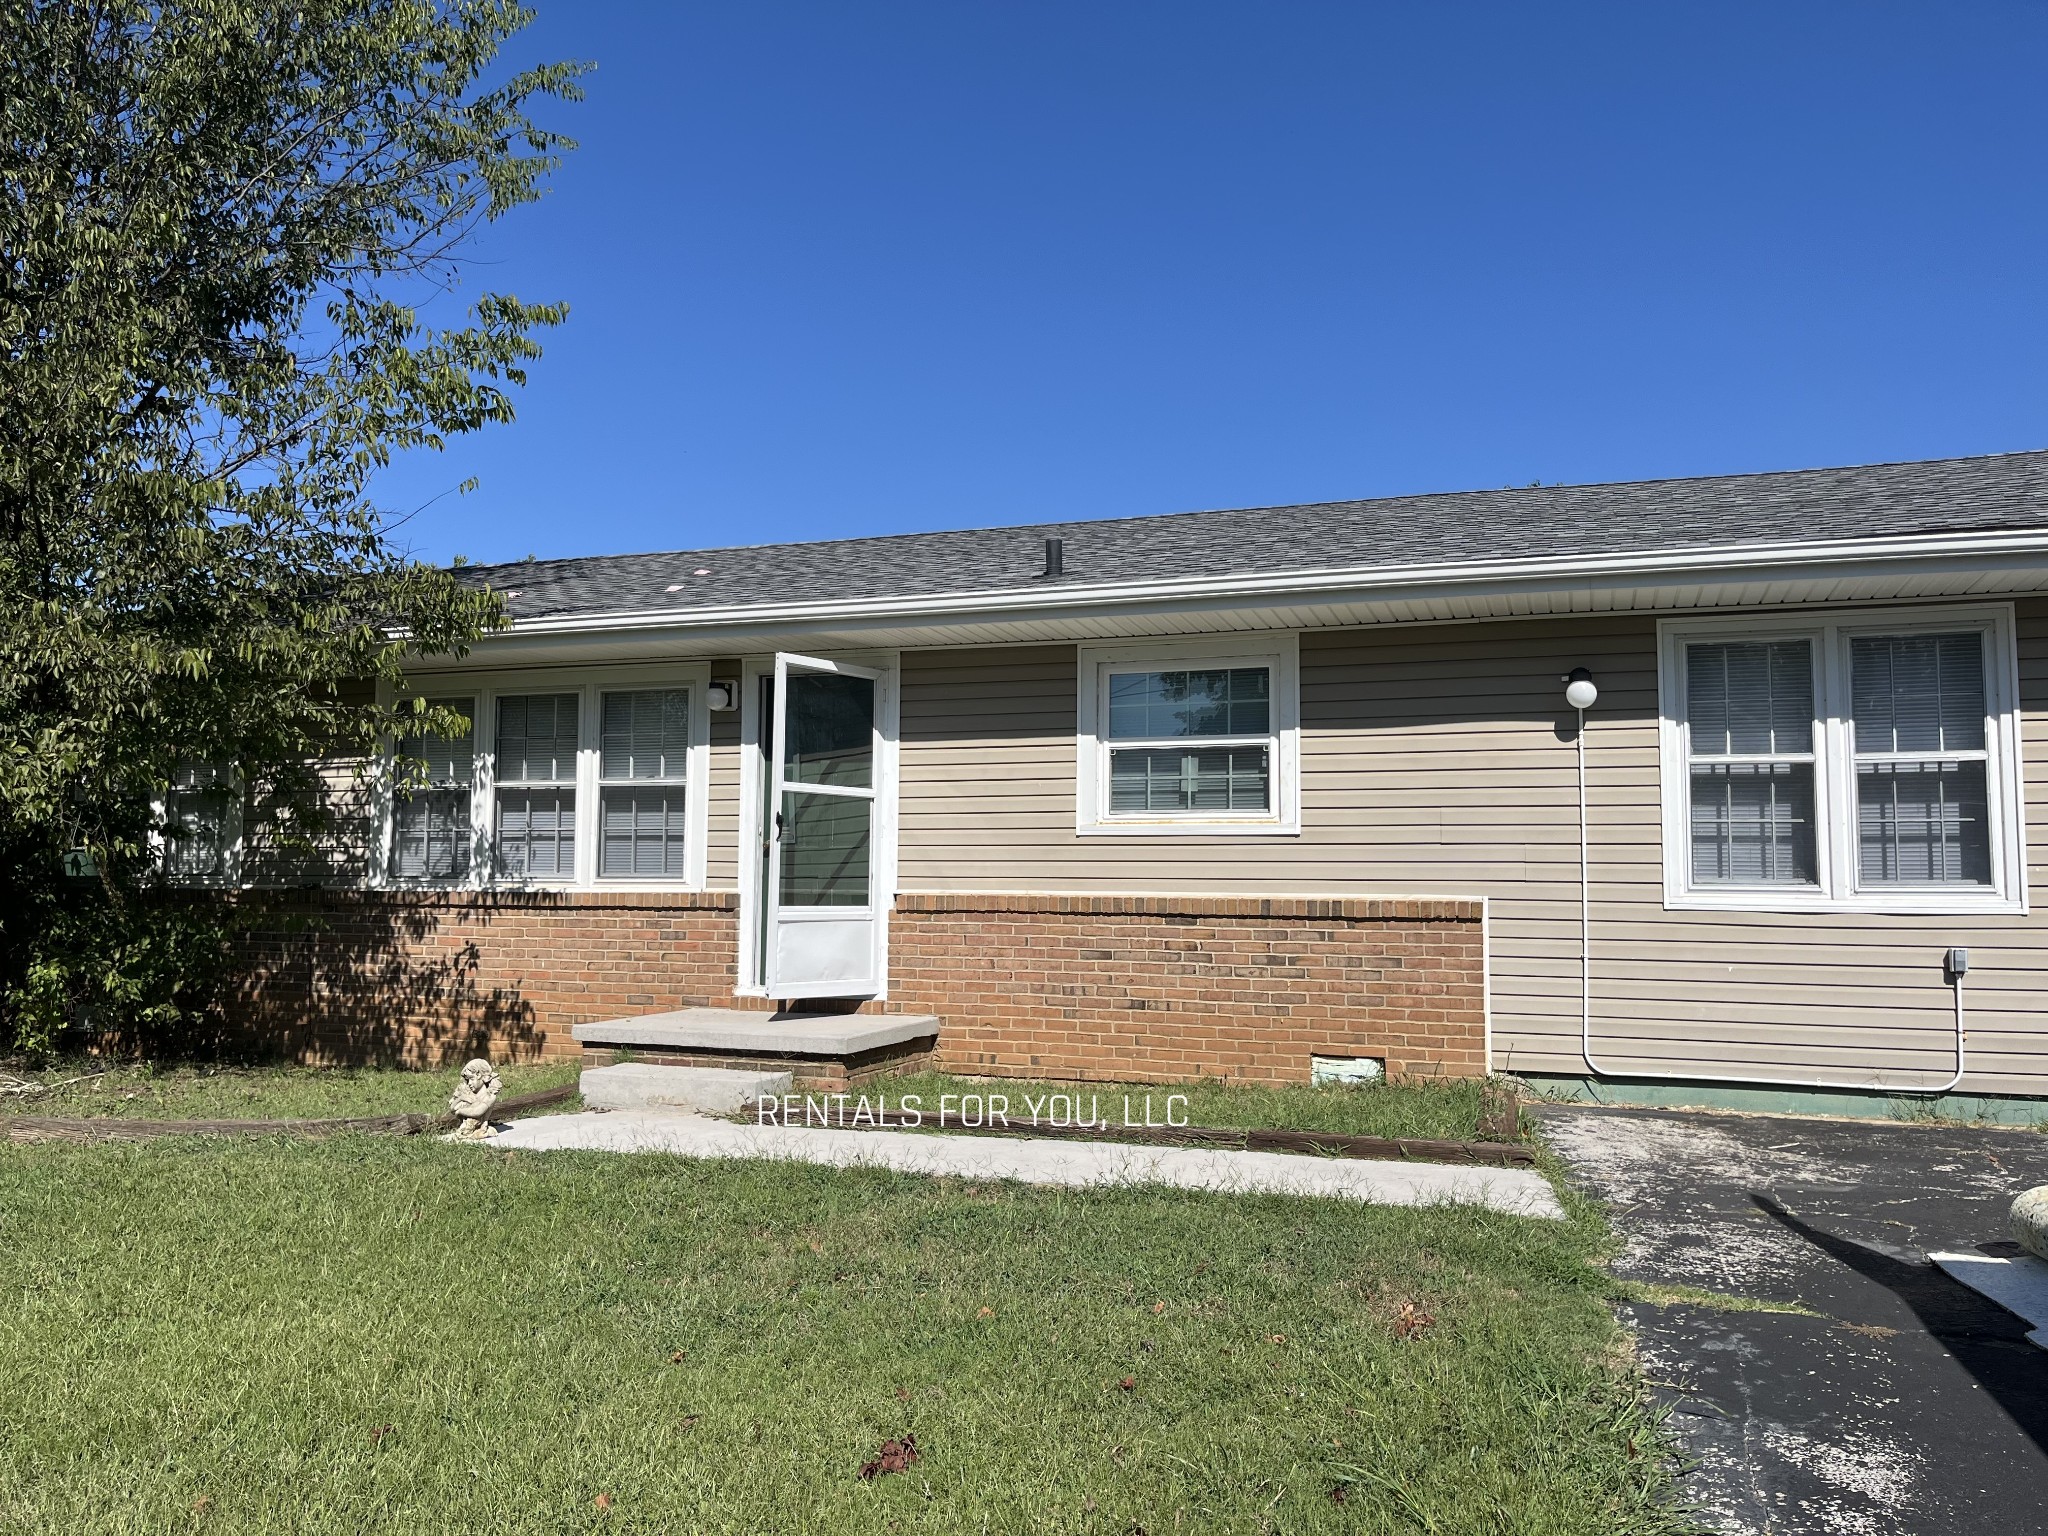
(1870,571)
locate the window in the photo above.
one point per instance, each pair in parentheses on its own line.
(432,826)
(1865,763)
(201,823)
(535,774)
(571,776)
(643,777)
(1749,709)
(1175,738)
(1923,813)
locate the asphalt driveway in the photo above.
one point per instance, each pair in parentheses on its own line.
(1908,1403)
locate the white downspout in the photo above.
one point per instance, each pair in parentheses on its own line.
(1955,971)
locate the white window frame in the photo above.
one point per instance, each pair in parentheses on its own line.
(233,830)
(1279,653)
(1838,888)
(588,683)
(693,849)
(387,860)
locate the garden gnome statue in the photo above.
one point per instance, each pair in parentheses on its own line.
(2029,1221)
(473,1098)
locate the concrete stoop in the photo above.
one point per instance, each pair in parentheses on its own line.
(828,1052)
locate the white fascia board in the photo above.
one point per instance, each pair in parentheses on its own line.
(1746,562)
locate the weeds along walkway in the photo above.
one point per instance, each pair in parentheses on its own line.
(1518,1191)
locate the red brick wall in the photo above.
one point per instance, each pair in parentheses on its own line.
(347,976)
(1138,988)
(1091,987)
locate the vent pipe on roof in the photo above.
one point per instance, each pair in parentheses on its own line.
(1055,557)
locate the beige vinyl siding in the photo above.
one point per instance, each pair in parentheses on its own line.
(345,792)
(721,867)
(1438,760)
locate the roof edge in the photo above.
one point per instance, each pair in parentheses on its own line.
(1561,571)
(1538,489)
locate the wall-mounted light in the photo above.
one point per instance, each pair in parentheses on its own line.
(1579,691)
(724,695)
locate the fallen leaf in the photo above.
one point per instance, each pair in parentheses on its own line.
(895,1456)
(1276,1338)
(377,1434)
(679,1357)
(1158,1307)
(604,1502)
(1129,1383)
(986,1312)
(1412,1322)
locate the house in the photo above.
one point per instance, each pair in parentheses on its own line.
(1226,792)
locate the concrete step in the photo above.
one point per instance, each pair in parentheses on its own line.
(832,1051)
(711,1090)
(782,1034)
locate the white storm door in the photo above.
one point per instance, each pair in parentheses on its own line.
(819,886)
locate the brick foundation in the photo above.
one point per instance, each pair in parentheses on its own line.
(351,976)
(1104,988)
(1154,988)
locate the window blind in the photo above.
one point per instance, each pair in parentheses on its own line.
(1750,718)
(1923,812)
(643,760)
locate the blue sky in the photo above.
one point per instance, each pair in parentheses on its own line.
(851,268)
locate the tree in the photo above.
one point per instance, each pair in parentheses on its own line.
(220,223)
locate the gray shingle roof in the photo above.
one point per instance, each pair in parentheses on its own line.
(2000,492)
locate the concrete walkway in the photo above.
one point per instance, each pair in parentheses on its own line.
(1518,1191)
(1901,1400)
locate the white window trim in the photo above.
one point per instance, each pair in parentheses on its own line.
(588,683)
(233,830)
(385,864)
(1279,652)
(1834,778)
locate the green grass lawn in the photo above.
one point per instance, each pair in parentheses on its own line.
(375,1334)
(156,1091)
(1447,1110)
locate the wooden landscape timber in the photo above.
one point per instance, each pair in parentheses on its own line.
(118,1128)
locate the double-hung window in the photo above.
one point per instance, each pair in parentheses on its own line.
(534,775)
(643,779)
(1868,762)
(201,824)
(1921,745)
(573,776)
(1178,738)
(432,820)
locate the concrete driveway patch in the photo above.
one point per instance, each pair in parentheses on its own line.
(1518,1191)
(1900,1400)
